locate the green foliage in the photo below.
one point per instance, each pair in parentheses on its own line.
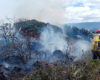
(81,71)
(92,64)
(33,27)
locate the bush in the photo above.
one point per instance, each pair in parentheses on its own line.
(80,71)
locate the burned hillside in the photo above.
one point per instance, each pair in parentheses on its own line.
(33,28)
(76,33)
(29,45)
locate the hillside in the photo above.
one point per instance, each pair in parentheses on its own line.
(34,28)
(92,26)
(49,56)
(77,33)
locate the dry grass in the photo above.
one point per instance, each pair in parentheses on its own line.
(83,71)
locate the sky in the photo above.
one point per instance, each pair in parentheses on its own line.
(51,11)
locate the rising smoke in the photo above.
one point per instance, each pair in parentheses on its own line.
(52,47)
(51,11)
(81,50)
(52,40)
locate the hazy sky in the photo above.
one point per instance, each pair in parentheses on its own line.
(53,11)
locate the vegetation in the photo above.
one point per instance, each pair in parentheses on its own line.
(76,33)
(33,27)
(81,71)
(13,51)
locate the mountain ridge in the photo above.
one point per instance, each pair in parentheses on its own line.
(92,26)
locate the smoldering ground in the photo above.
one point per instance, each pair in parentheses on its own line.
(21,53)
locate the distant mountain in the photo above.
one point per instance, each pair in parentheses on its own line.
(92,26)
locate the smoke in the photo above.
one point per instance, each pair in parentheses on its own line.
(52,11)
(52,40)
(52,47)
(81,50)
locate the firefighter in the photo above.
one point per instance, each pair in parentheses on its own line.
(96,45)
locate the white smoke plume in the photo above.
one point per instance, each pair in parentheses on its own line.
(50,11)
(82,50)
(52,40)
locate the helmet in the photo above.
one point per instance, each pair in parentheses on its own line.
(98,31)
